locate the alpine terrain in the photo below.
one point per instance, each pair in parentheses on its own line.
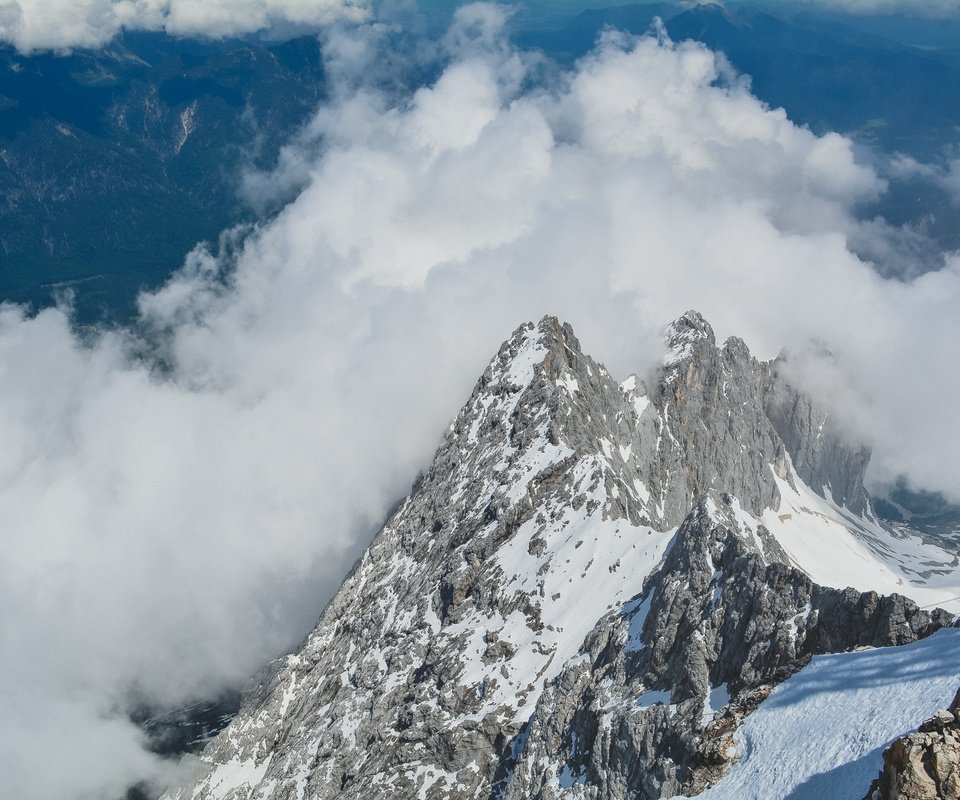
(613,590)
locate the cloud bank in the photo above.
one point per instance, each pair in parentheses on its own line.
(172,522)
(31,25)
(65,24)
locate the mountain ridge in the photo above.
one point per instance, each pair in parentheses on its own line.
(568,530)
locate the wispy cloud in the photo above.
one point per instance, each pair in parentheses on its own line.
(945,175)
(170,524)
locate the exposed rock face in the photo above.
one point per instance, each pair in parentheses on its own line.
(635,716)
(535,586)
(924,765)
(822,456)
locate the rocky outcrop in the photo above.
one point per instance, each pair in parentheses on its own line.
(578,546)
(714,629)
(924,765)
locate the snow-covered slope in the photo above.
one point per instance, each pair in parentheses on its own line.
(821,733)
(838,548)
(534,560)
(649,706)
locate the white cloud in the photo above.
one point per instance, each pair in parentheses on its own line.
(168,529)
(64,24)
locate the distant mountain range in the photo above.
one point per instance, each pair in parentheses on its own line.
(115,163)
(827,73)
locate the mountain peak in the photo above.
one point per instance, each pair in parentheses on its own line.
(561,511)
(550,326)
(564,354)
(686,335)
(548,346)
(694,321)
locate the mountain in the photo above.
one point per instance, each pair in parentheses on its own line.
(608,590)
(830,71)
(927,512)
(579,35)
(115,163)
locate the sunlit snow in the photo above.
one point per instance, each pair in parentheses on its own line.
(822,732)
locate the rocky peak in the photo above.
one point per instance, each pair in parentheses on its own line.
(571,529)
(716,398)
(562,346)
(716,419)
(687,335)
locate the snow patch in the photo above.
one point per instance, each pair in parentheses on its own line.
(717,699)
(234,775)
(653,698)
(839,549)
(822,732)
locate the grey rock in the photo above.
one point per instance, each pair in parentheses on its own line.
(445,665)
(924,765)
(822,455)
(716,613)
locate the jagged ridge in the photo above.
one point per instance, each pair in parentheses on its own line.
(554,495)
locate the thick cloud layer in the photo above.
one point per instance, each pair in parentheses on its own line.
(63,24)
(170,525)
